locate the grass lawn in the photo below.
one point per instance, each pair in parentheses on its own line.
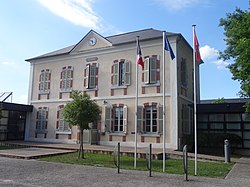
(173,166)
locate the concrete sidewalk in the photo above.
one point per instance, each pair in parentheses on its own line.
(32,152)
(240,171)
(157,152)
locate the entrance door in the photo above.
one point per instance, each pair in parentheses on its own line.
(16,125)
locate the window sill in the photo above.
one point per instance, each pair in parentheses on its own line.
(118,133)
(66,90)
(91,89)
(151,85)
(63,132)
(151,134)
(39,131)
(43,93)
(118,87)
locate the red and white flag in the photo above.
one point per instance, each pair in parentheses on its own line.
(197,50)
(139,55)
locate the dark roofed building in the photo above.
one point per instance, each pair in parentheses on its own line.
(13,120)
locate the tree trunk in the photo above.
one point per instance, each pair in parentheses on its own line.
(81,151)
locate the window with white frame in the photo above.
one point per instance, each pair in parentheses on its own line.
(150,119)
(44,81)
(62,125)
(116,119)
(150,70)
(66,78)
(120,71)
(42,118)
(90,76)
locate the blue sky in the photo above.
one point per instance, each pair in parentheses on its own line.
(33,27)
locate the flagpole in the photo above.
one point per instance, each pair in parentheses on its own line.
(163,102)
(195,120)
(136,103)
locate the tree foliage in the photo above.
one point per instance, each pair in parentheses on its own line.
(219,100)
(81,111)
(237,32)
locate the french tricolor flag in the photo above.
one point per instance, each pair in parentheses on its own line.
(139,55)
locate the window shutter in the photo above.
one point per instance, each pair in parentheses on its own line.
(41,77)
(115,74)
(92,76)
(41,86)
(146,71)
(96,76)
(139,119)
(71,83)
(86,71)
(63,74)
(153,70)
(107,118)
(61,125)
(68,73)
(160,119)
(112,76)
(71,73)
(127,73)
(46,78)
(125,117)
(49,76)
(68,83)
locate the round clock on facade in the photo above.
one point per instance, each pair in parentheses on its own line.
(92,41)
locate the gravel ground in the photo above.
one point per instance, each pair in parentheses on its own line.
(34,173)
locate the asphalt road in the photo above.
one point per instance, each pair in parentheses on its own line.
(34,173)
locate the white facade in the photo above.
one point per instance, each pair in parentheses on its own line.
(104,67)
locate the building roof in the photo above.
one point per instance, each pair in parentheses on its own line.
(16,107)
(232,100)
(119,39)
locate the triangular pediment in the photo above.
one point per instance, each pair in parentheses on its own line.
(91,41)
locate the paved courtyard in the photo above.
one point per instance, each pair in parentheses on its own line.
(34,173)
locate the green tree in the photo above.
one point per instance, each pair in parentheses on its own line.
(81,111)
(219,100)
(237,32)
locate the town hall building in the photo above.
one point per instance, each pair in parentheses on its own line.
(105,68)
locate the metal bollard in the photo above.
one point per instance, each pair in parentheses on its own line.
(117,157)
(227,151)
(185,162)
(149,160)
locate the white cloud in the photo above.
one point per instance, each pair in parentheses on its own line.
(221,64)
(79,12)
(208,52)
(8,63)
(174,5)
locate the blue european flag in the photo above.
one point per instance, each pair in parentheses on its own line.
(168,47)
